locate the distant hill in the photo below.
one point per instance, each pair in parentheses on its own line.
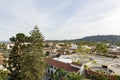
(101,38)
(4,41)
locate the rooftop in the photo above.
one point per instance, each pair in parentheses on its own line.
(61,65)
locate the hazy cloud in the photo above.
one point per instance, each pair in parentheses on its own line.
(60,19)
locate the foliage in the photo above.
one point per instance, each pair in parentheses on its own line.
(46,45)
(26,61)
(47,53)
(94,62)
(74,76)
(3,48)
(80,49)
(86,67)
(83,42)
(60,74)
(101,48)
(3,75)
(99,75)
(77,62)
(33,65)
(117,77)
(13,64)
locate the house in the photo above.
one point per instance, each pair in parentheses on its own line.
(9,46)
(73,46)
(69,63)
(55,64)
(107,65)
(79,63)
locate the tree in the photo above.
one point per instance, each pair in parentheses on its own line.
(3,75)
(47,53)
(26,61)
(13,63)
(101,47)
(47,45)
(60,74)
(33,66)
(2,47)
(74,76)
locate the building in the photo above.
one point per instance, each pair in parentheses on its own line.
(69,63)
(77,63)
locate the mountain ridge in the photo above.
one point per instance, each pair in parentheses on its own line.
(100,38)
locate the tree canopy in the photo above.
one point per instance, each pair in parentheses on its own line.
(26,61)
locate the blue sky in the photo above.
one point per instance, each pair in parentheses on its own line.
(60,19)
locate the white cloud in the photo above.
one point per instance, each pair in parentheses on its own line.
(64,19)
(94,19)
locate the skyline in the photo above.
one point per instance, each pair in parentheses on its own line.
(60,19)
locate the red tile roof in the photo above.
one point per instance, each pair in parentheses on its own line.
(61,65)
(116,53)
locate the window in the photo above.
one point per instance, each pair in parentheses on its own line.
(51,66)
(104,66)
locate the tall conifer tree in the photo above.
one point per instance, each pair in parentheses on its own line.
(33,63)
(13,63)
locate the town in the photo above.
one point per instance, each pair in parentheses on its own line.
(86,58)
(59,39)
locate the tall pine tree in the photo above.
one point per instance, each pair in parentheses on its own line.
(26,61)
(33,65)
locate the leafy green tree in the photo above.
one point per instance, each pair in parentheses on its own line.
(60,74)
(47,53)
(26,61)
(13,64)
(74,76)
(3,75)
(101,48)
(47,45)
(80,49)
(33,66)
(2,47)
(117,77)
